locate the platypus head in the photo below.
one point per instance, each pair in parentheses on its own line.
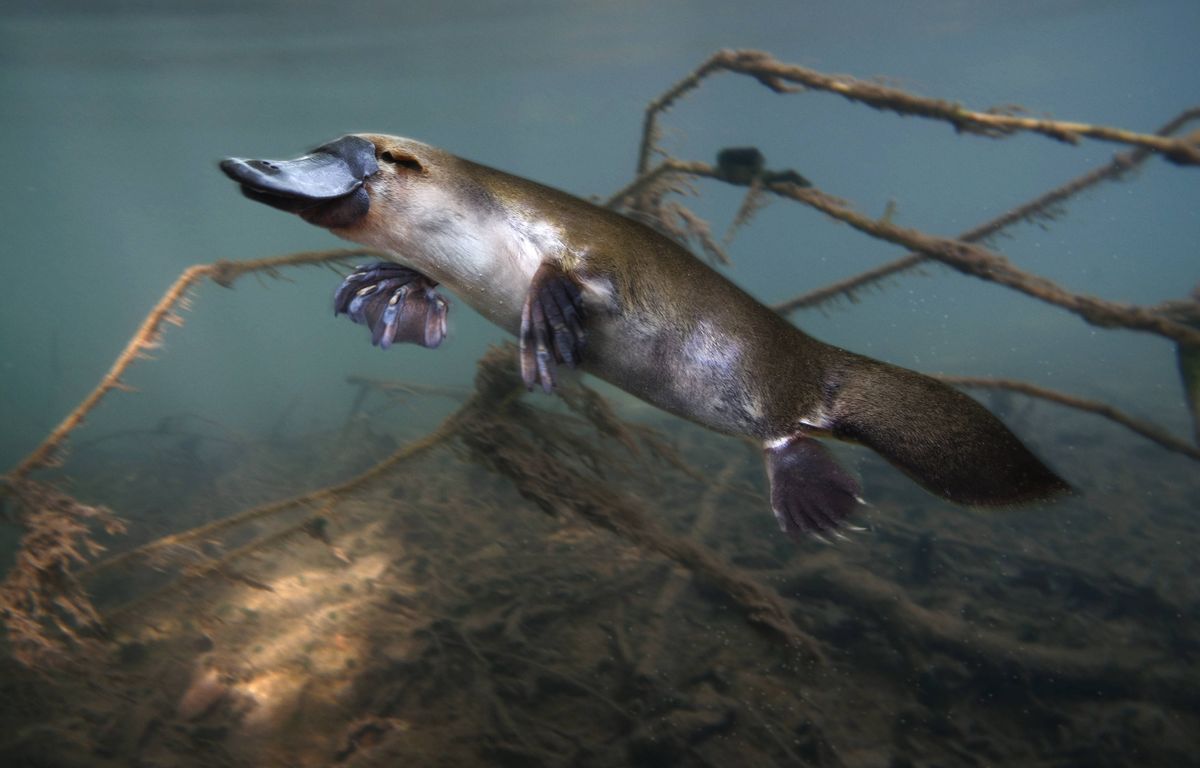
(325,186)
(358,186)
(467,226)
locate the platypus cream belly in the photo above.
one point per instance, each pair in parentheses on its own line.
(701,364)
(634,357)
(580,285)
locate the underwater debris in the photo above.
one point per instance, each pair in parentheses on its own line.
(47,614)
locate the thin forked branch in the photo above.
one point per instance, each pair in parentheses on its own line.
(148,337)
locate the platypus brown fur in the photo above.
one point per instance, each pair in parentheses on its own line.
(582,285)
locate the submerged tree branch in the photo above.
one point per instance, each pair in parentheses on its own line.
(987,265)
(995,123)
(1040,207)
(149,335)
(146,338)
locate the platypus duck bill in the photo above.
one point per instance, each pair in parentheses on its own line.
(583,286)
(325,186)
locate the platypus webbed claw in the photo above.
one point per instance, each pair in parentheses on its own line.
(551,326)
(810,493)
(396,303)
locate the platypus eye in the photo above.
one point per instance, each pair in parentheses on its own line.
(401,159)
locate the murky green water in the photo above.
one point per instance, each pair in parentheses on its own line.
(114,116)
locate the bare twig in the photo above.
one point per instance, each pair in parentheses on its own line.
(145,339)
(664,102)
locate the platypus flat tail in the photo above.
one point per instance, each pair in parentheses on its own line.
(938,436)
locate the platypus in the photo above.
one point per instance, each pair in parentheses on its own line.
(583,286)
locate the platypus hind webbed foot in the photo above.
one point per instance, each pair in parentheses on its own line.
(551,326)
(396,303)
(811,494)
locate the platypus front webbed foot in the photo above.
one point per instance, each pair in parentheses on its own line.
(551,326)
(811,494)
(396,303)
